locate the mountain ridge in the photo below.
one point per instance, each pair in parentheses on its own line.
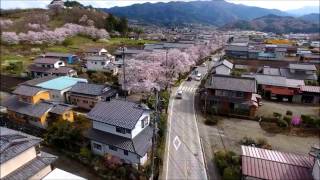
(202,12)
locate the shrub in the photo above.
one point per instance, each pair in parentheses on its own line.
(211,121)
(247,141)
(307,119)
(277,115)
(85,152)
(262,142)
(289,113)
(231,173)
(287,119)
(282,123)
(269,119)
(67,42)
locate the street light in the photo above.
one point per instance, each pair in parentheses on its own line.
(124,72)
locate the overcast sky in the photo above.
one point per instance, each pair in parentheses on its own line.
(271,4)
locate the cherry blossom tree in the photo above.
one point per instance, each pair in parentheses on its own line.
(10,38)
(5,23)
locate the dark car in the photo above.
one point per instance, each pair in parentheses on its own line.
(189,78)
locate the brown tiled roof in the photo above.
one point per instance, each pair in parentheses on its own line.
(273,165)
(231,83)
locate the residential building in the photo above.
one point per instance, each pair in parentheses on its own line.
(66,57)
(293,71)
(31,105)
(237,51)
(86,96)
(49,67)
(122,129)
(59,174)
(310,58)
(128,53)
(274,165)
(96,52)
(20,157)
(57,86)
(230,95)
(276,87)
(308,95)
(223,67)
(101,63)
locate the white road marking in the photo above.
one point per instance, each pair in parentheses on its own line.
(176,143)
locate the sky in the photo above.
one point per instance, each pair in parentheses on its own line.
(270,4)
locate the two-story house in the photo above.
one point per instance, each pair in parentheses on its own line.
(85,95)
(57,86)
(96,52)
(20,157)
(101,63)
(49,67)
(122,129)
(31,105)
(229,95)
(223,67)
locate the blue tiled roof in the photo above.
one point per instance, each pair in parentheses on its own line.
(61,83)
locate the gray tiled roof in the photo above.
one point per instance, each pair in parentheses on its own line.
(60,70)
(46,60)
(140,144)
(303,67)
(60,108)
(117,113)
(27,90)
(32,167)
(55,54)
(232,83)
(224,62)
(271,71)
(297,75)
(12,143)
(34,110)
(236,48)
(96,58)
(89,89)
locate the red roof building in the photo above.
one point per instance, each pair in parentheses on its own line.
(266,164)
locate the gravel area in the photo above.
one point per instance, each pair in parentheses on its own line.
(269,107)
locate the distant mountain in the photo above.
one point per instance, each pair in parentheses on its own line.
(276,24)
(200,12)
(313,17)
(305,10)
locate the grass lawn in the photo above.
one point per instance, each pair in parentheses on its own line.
(23,53)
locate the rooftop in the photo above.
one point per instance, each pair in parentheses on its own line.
(27,90)
(225,63)
(14,142)
(303,67)
(61,83)
(117,113)
(59,174)
(232,83)
(313,89)
(275,165)
(56,54)
(90,89)
(46,60)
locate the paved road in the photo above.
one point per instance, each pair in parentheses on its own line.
(184,157)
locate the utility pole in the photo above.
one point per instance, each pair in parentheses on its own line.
(167,68)
(124,74)
(154,132)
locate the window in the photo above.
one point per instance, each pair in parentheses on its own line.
(103,63)
(84,101)
(128,131)
(239,94)
(125,152)
(121,130)
(113,148)
(97,146)
(144,122)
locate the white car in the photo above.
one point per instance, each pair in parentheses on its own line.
(203,64)
(179,94)
(198,77)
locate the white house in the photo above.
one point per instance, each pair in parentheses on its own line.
(223,67)
(21,158)
(121,128)
(96,52)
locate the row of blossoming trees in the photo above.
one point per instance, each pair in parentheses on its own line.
(56,36)
(150,70)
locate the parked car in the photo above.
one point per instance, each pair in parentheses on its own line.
(203,64)
(189,78)
(179,94)
(198,77)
